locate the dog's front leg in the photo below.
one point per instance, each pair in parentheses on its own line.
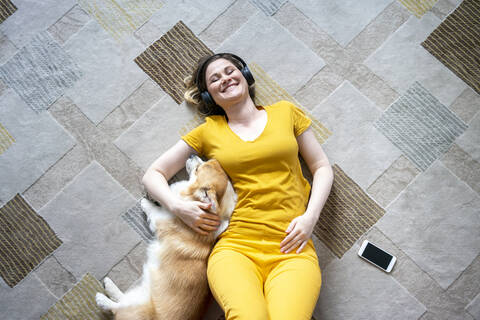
(154,213)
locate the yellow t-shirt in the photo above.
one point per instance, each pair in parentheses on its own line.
(265,172)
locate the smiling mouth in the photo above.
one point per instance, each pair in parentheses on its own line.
(230,85)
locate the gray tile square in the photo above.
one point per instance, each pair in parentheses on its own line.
(40,72)
(39,143)
(86,215)
(401,61)
(355,145)
(342,19)
(157,130)
(32,17)
(262,40)
(354,289)
(420,125)
(474,307)
(110,75)
(28,300)
(436,221)
(470,140)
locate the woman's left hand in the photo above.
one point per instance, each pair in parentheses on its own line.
(298,233)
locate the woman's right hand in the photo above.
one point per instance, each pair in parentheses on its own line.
(195,214)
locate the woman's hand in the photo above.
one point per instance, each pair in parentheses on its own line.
(195,215)
(298,233)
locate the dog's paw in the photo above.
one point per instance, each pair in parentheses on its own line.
(112,289)
(147,205)
(103,302)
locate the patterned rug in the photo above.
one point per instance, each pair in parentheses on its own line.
(136,218)
(120,18)
(348,213)
(79,303)
(172,58)
(420,125)
(269,7)
(26,240)
(418,7)
(456,43)
(6,139)
(7,8)
(40,72)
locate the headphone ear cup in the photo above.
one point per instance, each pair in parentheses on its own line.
(248,75)
(207,98)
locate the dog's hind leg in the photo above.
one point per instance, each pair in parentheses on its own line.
(112,290)
(104,303)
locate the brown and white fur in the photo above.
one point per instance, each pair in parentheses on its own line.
(174,281)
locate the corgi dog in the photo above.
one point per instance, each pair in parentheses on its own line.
(174,281)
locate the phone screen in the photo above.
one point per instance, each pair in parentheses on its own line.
(377,256)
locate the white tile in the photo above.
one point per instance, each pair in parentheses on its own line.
(401,60)
(286,59)
(436,222)
(86,216)
(470,140)
(33,16)
(343,20)
(39,143)
(157,130)
(354,289)
(109,72)
(355,145)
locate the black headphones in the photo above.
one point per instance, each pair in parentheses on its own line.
(206,97)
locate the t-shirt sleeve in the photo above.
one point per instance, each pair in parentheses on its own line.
(195,138)
(301,121)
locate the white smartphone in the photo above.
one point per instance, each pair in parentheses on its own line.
(377,256)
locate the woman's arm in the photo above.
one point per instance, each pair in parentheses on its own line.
(193,213)
(300,229)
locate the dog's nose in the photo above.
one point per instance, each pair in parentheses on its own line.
(191,157)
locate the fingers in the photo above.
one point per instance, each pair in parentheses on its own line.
(295,239)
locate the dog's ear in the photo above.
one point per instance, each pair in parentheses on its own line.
(212,197)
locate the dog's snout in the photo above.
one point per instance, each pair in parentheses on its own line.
(191,157)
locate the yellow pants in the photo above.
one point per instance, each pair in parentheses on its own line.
(253,280)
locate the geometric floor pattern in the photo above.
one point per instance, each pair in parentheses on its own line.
(79,302)
(91,93)
(419,125)
(26,240)
(456,41)
(7,8)
(347,215)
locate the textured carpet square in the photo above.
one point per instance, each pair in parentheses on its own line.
(7,8)
(348,213)
(26,240)
(137,219)
(6,139)
(420,125)
(40,72)
(120,18)
(267,92)
(172,58)
(79,303)
(456,43)
(269,7)
(418,7)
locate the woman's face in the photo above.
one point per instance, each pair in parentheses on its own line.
(225,82)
